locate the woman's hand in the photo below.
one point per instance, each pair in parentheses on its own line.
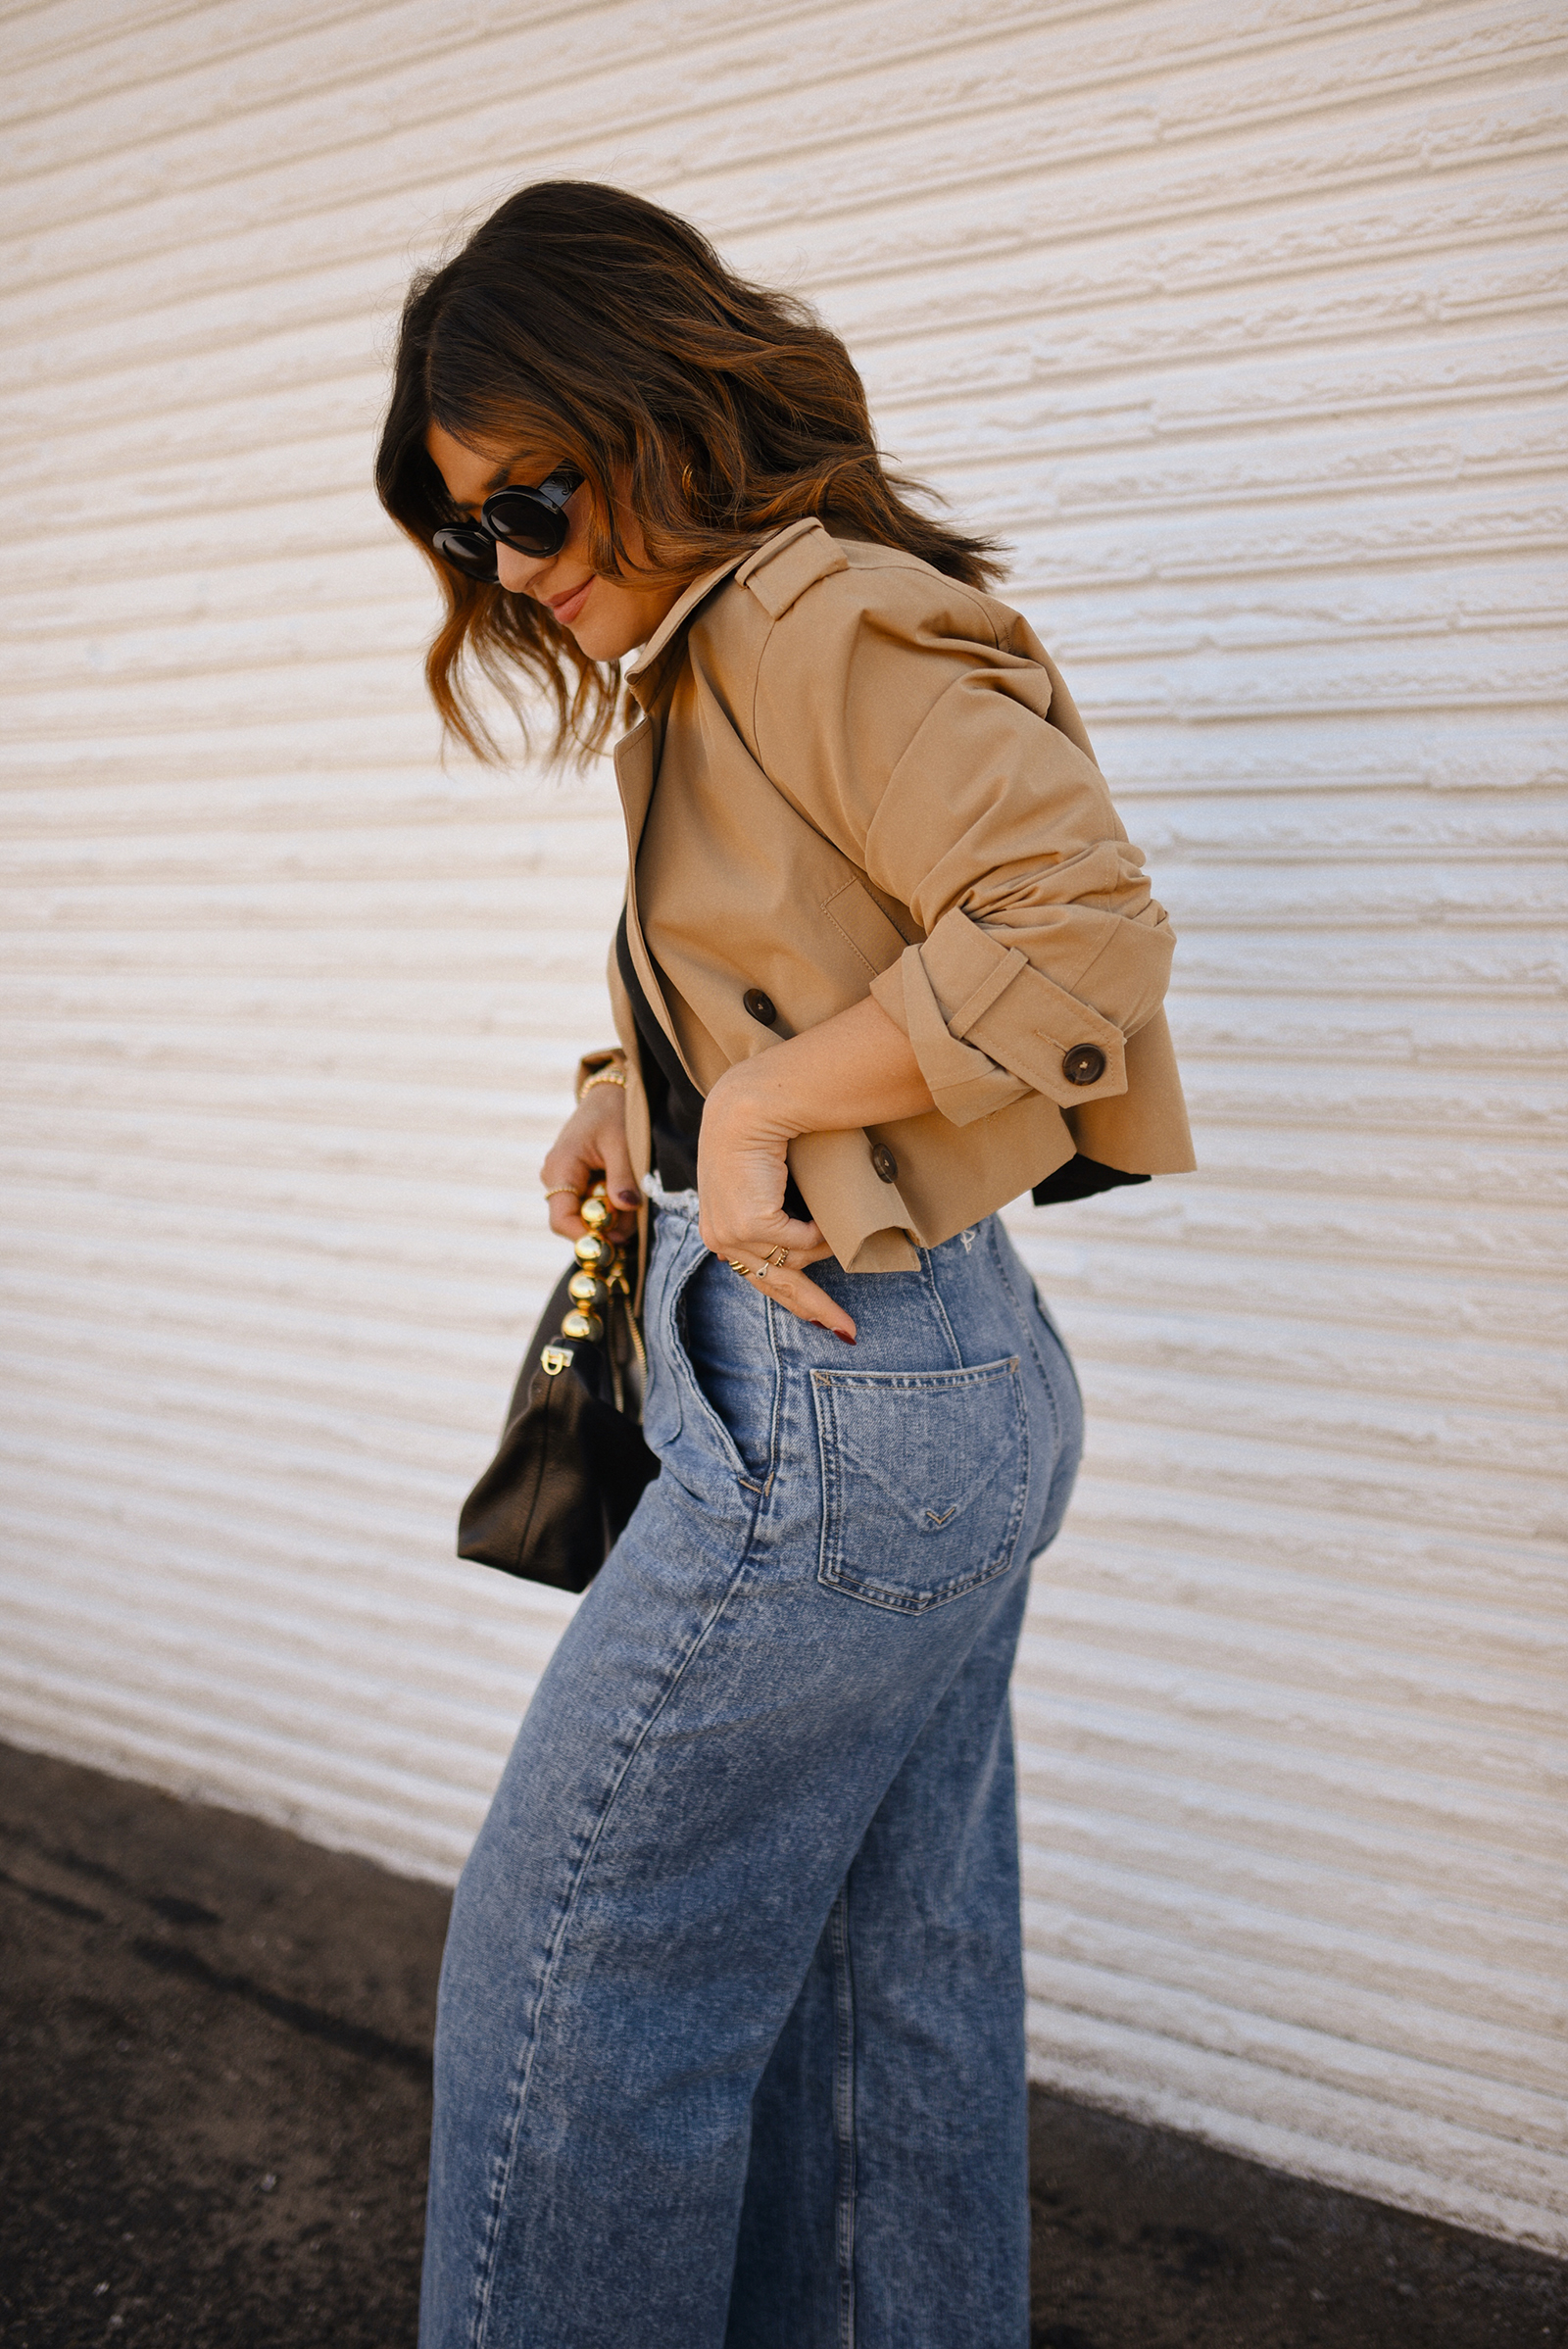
(740,1182)
(741,1174)
(592,1143)
(858,1068)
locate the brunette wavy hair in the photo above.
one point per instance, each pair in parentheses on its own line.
(594,324)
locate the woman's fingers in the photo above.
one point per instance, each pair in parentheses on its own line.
(797,1294)
(566,1187)
(615,1157)
(757,1230)
(591,1148)
(773,1248)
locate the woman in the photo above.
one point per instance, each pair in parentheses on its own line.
(731,2040)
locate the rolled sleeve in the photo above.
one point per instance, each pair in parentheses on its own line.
(610,1057)
(966,1083)
(987,1026)
(958,775)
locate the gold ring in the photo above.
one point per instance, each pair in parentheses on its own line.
(568,1189)
(736,1265)
(778,1258)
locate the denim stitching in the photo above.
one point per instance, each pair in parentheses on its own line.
(772,1313)
(1021,1307)
(659,1305)
(843,2201)
(682,1350)
(500,2184)
(928,1272)
(824,1384)
(1030,1313)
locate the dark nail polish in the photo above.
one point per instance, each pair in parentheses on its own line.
(628,1199)
(847,1341)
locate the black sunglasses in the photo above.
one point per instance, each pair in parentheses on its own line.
(532,521)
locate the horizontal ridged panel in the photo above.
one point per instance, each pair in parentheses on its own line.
(1241,326)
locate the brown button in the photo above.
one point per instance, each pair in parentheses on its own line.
(1085,1064)
(883,1162)
(760,1005)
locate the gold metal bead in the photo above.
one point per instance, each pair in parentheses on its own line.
(586,1327)
(594,1212)
(591,1249)
(584,1290)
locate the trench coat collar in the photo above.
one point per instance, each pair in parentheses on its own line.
(636,756)
(641,677)
(637,752)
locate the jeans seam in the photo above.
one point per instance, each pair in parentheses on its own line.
(771,1320)
(500,2188)
(928,1274)
(1020,1306)
(844,2212)
(680,1345)
(1030,1310)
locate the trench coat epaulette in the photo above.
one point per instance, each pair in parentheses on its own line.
(780,572)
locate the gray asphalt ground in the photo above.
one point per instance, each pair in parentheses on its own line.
(215,2099)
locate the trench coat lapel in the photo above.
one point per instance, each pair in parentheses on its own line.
(636,770)
(636,765)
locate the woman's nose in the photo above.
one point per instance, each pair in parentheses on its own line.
(518,571)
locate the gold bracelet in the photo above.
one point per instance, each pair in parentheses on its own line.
(603,1076)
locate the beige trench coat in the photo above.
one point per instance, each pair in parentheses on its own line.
(871,779)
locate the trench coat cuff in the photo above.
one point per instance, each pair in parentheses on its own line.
(993,1000)
(613,1055)
(964,1083)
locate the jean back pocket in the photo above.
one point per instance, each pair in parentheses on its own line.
(924,1480)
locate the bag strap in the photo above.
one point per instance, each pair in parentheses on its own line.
(599,1280)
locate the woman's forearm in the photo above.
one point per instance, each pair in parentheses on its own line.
(856,1069)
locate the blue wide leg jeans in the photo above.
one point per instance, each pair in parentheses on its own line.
(730,2051)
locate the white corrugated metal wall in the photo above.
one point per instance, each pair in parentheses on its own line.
(1239,321)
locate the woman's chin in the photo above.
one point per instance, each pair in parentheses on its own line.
(599,642)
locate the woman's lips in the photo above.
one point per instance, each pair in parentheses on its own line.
(567,607)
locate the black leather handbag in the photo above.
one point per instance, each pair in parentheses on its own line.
(572,1463)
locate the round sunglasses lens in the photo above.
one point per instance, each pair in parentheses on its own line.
(470,551)
(521,519)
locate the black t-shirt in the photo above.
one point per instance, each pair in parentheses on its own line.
(674,1104)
